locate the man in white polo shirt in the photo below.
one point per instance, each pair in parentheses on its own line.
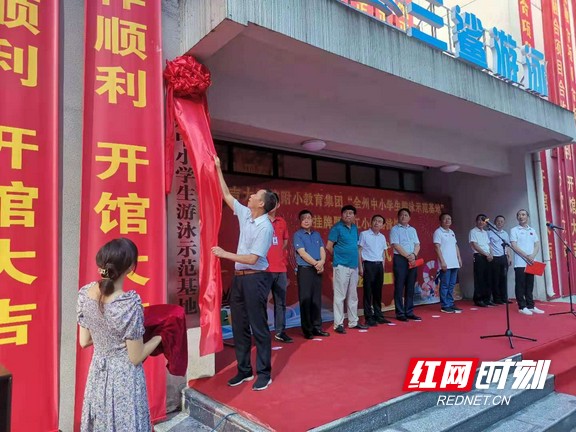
(480,244)
(526,245)
(449,259)
(372,254)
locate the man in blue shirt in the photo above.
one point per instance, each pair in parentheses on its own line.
(343,245)
(251,284)
(310,256)
(406,244)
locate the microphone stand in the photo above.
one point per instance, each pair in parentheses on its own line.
(568,253)
(508,333)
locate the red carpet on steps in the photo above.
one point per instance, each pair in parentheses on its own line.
(318,381)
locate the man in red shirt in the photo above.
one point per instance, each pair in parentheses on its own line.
(277,266)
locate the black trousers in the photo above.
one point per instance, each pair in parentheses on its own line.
(310,297)
(279,284)
(499,278)
(524,288)
(404,281)
(248,300)
(481,278)
(373,280)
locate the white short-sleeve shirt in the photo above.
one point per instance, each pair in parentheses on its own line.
(373,245)
(525,239)
(480,237)
(447,241)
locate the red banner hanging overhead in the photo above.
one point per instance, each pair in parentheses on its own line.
(553,52)
(526,24)
(123,168)
(29,295)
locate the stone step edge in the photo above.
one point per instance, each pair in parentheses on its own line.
(211,412)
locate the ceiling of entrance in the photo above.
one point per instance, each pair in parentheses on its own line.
(272,90)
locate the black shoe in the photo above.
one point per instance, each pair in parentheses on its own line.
(308,336)
(413,317)
(320,333)
(283,337)
(340,329)
(401,318)
(508,301)
(456,309)
(382,320)
(262,383)
(371,323)
(239,379)
(490,304)
(499,302)
(359,327)
(480,304)
(447,310)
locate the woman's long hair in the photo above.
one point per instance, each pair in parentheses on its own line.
(113,259)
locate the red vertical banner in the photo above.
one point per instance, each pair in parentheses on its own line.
(29,187)
(569,71)
(123,166)
(526,24)
(569,223)
(553,52)
(561,214)
(549,174)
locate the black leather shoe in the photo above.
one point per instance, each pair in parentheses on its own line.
(414,317)
(401,318)
(308,336)
(371,323)
(480,304)
(340,329)
(382,320)
(508,301)
(359,327)
(489,303)
(320,333)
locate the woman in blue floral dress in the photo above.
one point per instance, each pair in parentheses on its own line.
(112,320)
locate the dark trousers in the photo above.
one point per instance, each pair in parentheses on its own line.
(481,279)
(373,280)
(499,278)
(279,284)
(524,287)
(404,281)
(310,297)
(248,299)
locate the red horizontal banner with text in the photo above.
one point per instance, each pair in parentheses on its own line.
(29,186)
(123,166)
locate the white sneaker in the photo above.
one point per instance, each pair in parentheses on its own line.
(536,310)
(526,311)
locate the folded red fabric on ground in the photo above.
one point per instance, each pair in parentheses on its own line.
(168,321)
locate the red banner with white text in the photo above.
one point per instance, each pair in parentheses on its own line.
(123,166)
(29,185)
(526,24)
(325,202)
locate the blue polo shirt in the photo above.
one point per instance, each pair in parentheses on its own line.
(311,242)
(345,245)
(255,237)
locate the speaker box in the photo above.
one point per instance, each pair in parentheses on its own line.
(5,398)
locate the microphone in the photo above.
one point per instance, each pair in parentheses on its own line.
(552,226)
(490,224)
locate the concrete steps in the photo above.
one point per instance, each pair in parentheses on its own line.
(470,418)
(555,412)
(527,411)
